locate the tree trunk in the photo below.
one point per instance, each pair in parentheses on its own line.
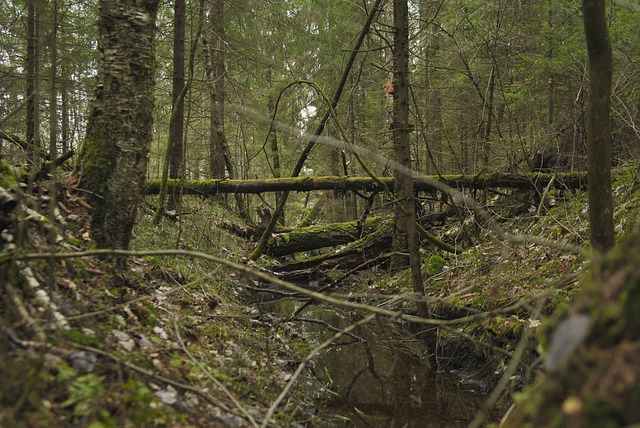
(216,50)
(486,136)
(405,237)
(34,16)
(599,125)
(65,136)
(324,235)
(116,146)
(178,110)
(273,143)
(176,127)
(433,97)
(53,78)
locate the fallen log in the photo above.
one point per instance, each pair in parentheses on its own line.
(324,235)
(369,247)
(573,180)
(330,235)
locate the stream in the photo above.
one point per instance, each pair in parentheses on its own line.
(382,377)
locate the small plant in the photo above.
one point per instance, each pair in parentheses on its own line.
(84,391)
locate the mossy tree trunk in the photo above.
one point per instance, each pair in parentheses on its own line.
(594,380)
(116,147)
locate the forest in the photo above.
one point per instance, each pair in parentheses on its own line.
(372,213)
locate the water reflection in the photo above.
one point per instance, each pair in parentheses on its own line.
(384,381)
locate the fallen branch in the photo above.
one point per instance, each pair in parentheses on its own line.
(572,180)
(49,166)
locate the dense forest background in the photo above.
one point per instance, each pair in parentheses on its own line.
(492,85)
(507,102)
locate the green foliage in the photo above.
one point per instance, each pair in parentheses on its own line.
(432,266)
(85,392)
(80,337)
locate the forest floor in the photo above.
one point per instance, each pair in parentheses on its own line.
(177,339)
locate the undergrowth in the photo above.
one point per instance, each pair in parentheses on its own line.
(175,341)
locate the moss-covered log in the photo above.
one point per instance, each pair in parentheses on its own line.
(306,184)
(325,235)
(597,384)
(369,247)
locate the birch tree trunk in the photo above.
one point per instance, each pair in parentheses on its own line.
(116,146)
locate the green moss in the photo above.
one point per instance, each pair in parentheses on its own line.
(82,338)
(11,176)
(432,266)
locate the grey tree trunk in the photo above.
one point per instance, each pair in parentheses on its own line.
(433,97)
(116,146)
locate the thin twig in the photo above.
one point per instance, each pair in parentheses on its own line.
(327,326)
(543,198)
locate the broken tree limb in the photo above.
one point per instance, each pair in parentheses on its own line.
(24,145)
(49,166)
(573,180)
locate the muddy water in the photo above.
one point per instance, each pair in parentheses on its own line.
(381,378)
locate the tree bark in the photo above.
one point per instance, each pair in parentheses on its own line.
(599,125)
(176,127)
(116,146)
(405,238)
(34,16)
(216,50)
